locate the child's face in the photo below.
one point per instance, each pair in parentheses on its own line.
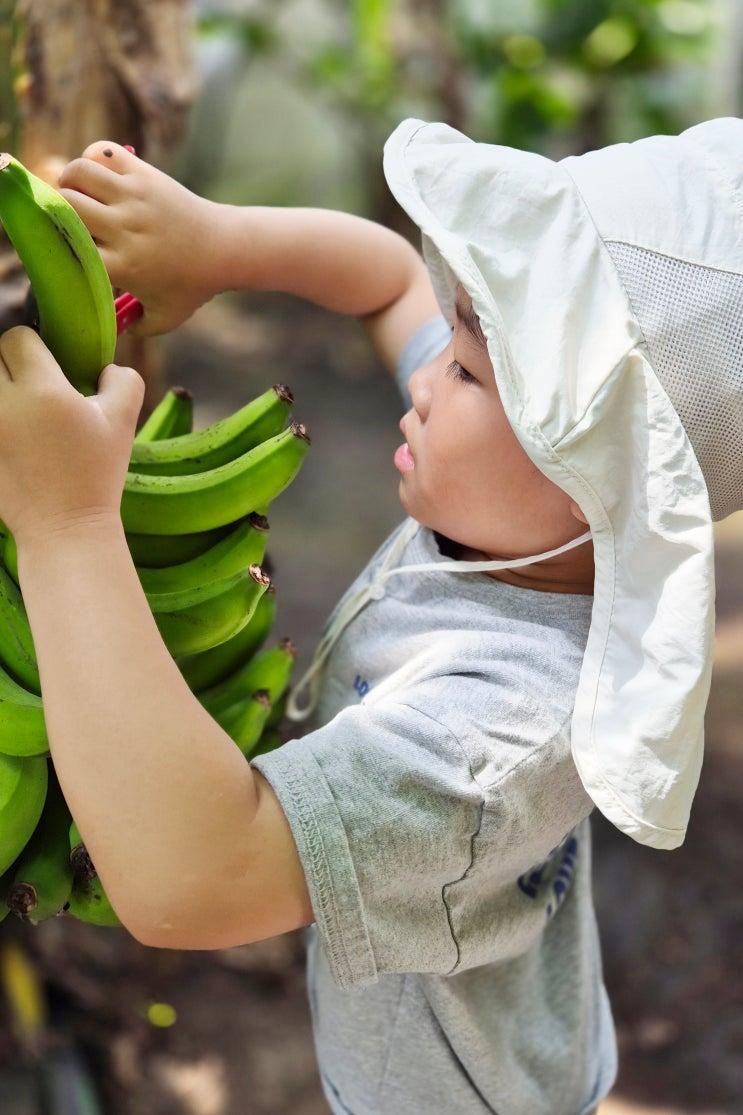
(471,480)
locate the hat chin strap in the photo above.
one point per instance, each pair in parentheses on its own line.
(375,590)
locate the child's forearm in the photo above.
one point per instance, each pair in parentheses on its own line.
(342,262)
(162,796)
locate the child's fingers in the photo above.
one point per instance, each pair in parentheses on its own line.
(96,217)
(27,358)
(113,268)
(94,180)
(112,155)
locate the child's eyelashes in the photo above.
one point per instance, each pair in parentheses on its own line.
(455,369)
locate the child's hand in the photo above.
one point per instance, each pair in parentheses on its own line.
(155,237)
(63,455)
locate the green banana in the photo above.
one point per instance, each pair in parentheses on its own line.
(23,785)
(237,547)
(213,665)
(222,441)
(77,317)
(172,417)
(202,500)
(269,669)
(245,545)
(217,618)
(10,555)
(6,881)
(277,712)
(269,741)
(17,653)
(245,721)
(22,724)
(80,861)
(88,900)
(171,602)
(155,551)
(90,903)
(42,878)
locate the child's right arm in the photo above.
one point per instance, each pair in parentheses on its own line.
(174,250)
(345,263)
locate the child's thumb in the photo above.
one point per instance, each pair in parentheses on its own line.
(120,394)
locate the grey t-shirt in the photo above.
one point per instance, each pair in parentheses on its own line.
(454,965)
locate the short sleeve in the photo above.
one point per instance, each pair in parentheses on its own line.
(383,809)
(426,343)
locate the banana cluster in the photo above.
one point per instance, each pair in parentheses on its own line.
(194,512)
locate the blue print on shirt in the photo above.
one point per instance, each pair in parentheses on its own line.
(552,878)
(361,685)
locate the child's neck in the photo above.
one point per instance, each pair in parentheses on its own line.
(449,548)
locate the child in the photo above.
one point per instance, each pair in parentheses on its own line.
(434,824)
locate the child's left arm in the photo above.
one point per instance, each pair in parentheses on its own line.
(190,843)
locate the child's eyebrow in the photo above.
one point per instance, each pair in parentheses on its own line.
(471,322)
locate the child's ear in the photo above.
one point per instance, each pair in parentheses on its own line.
(578,513)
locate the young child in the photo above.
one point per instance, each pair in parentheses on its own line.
(569,350)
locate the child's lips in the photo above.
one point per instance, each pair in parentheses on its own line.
(404,458)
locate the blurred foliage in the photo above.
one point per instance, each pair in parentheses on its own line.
(555,76)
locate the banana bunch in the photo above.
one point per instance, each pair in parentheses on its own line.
(194,513)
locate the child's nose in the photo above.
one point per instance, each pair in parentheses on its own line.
(419,386)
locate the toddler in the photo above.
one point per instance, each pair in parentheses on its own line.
(533,640)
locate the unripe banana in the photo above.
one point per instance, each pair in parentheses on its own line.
(172,417)
(277,712)
(269,741)
(23,785)
(10,555)
(218,618)
(88,900)
(42,878)
(202,500)
(91,904)
(82,865)
(77,318)
(214,665)
(17,653)
(6,881)
(245,545)
(156,551)
(222,441)
(270,669)
(22,725)
(245,721)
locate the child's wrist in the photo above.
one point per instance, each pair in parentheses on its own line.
(233,248)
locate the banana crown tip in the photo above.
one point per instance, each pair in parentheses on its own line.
(287,645)
(182,393)
(300,430)
(258,521)
(22,899)
(259,575)
(263,697)
(284,392)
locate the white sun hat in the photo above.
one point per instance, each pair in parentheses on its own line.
(609,287)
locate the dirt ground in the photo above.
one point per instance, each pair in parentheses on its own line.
(671,924)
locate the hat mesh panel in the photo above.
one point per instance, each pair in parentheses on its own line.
(692,319)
